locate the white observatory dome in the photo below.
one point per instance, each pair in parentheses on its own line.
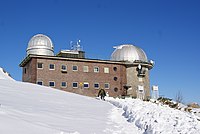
(129,53)
(40,45)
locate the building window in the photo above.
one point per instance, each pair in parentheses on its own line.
(96,85)
(115,78)
(86,85)
(75,68)
(106,70)
(75,84)
(85,69)
(24,70)
(115,68)
(106,85)
(39,82)
(63,67)
(115,89)
(64,84)
(140,79)
(51,66)
(40,65)
(51,83)
(96,69)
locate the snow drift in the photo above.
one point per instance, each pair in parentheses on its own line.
(153,118)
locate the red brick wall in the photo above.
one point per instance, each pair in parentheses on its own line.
(45,75)
(31,71)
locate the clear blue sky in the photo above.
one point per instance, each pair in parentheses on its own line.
(167,30)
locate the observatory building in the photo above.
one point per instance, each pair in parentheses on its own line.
(125,74)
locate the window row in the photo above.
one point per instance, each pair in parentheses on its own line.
(76,84)
(75,68)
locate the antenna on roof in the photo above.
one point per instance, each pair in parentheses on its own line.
(71,45)
(78,46)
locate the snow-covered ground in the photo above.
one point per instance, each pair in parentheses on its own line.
(196,111)
(153,118)
(32,109)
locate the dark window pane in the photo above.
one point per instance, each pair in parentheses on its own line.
(63,84)
(115,78)
(51,84)
(51,66)
(115,68)
(40,65)
(64,67)
(75,68)
(75,84)
(96,85)
(86,85)
(116,89)
(39,83)
(25,70)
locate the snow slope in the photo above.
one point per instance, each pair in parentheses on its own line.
(32,109)
(4,75)
(26,107)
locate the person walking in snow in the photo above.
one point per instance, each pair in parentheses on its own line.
(102,93)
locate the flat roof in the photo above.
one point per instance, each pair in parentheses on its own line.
(28,58)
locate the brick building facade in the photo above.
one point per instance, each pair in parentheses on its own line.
(71,71)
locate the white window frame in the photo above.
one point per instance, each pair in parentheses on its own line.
(65,67)
(108,86)
(53,67)
(87,84)
(38,64)
(140,79)
(96,87)
(39,81)
(85,69)
(62,85)
(106,70)
(73,68)
(73,84)
(53,82)
(96,69)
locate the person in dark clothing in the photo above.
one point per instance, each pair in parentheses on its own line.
(102,94)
